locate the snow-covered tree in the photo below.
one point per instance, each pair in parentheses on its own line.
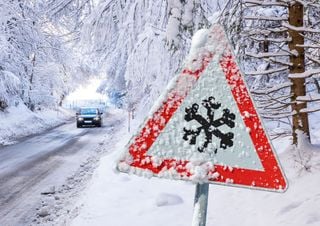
(140,45)
(37,42)
(279,49)
(185,17)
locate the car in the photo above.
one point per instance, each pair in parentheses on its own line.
(89,116)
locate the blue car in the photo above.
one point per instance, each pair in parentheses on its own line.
(89,116)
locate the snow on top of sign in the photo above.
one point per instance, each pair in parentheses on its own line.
(203,43)
(199,40)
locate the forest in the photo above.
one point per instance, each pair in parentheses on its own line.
(49,48)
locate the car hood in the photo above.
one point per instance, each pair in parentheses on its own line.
(87,116)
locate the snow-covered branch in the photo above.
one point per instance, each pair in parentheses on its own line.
(309,98)
(279,61)
(266,31)
(264,3)
(266,72)
(306,74)
(280,40)
(277,115)
(272,89)
(269,18)
(300,29)
(312,58)
(310,109)
(309,46)
(265,55)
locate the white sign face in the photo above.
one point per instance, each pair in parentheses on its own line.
(175,141)
(206,128)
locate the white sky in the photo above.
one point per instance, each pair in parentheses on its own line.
(87,92)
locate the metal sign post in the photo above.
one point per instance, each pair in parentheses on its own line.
(200,205)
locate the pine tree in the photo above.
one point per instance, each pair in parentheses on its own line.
(279,49)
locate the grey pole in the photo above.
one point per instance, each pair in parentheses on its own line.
(200,205)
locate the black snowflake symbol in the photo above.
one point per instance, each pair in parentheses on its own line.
(209,125)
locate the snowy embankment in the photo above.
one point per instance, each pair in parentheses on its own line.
(119,199)
(18,122)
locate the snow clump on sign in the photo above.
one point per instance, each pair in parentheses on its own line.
(199,40)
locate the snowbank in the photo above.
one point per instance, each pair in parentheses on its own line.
(119,199)
(18,122)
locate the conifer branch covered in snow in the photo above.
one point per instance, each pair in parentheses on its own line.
(268,42)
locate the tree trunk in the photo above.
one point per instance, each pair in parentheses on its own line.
(298,88)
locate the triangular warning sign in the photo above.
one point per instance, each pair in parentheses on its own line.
(206,127)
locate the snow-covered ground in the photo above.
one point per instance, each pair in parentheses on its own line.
(18,122)
(115,199)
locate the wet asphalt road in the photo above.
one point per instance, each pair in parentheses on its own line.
(33,165)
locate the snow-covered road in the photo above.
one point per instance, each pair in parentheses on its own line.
(39,163)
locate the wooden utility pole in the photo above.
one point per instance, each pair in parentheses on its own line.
(298,88)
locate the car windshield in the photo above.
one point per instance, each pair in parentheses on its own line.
(88,111)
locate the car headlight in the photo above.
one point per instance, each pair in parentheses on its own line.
(80,119)
(96,118)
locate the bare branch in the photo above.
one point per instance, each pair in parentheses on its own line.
(272,89)
(269,18)
(266,72)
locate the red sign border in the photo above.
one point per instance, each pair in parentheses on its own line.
(271,178)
